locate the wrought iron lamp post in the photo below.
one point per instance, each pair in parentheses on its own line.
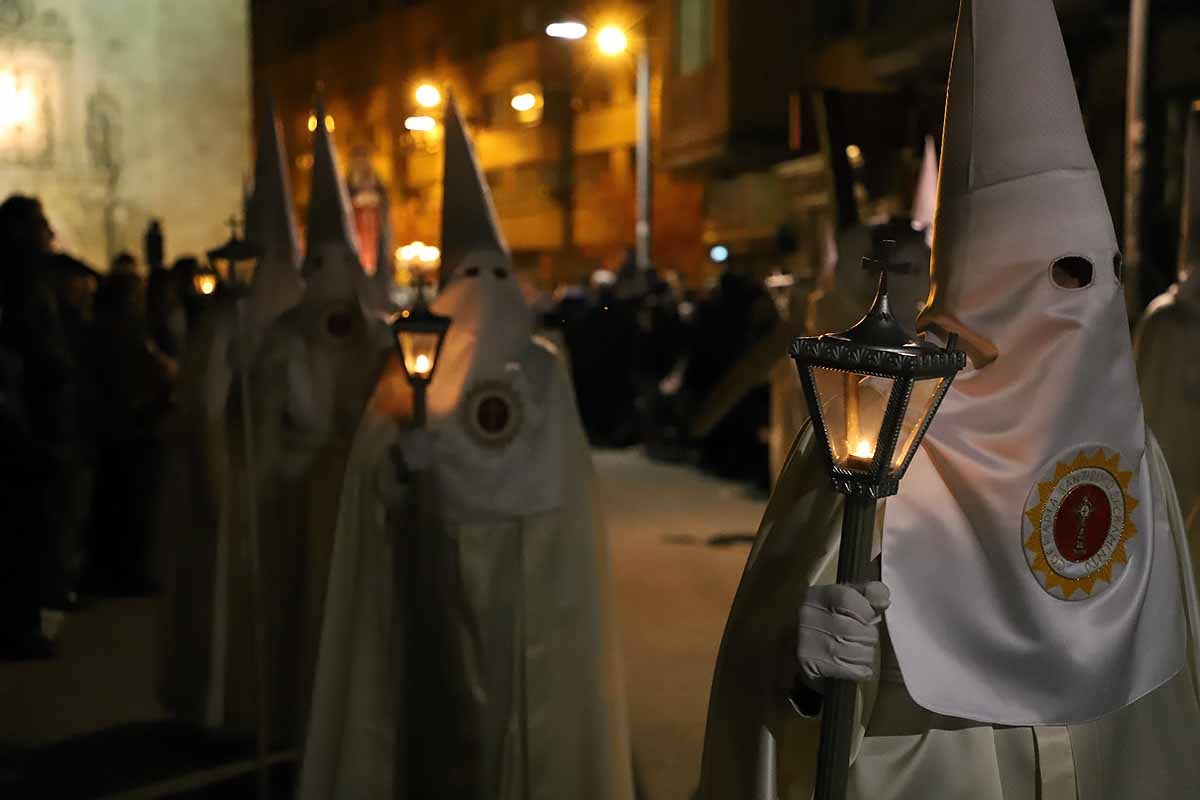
(232,266)
(872,391)
(419,334)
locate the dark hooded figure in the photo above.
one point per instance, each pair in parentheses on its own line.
(74,284)
(133,383)
(734,316)
(33,367)
(603,365)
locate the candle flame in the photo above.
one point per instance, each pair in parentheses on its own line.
(422,364)
(864,449)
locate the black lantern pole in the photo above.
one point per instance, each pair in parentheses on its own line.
(872,391)
(419,334)
(233,265)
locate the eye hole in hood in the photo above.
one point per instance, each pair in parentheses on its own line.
(1071,272)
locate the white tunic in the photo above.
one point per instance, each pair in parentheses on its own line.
(757,747)
(537,689)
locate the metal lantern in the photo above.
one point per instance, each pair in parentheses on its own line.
(235,261)
(872,392)
(205,280)
(419,335)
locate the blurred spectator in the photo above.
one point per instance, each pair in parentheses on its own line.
(36,422)
(602,342)
(133,380)
(166,312)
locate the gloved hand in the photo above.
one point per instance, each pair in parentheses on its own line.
(838,633)
(413,450)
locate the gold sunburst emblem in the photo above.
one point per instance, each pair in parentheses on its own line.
(1077,524)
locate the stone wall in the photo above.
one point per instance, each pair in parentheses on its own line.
(118,111)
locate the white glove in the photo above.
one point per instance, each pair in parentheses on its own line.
(413,450)
(838,632)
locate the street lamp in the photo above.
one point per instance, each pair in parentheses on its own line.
(612,40)
(234,264)
(872,392)
(428,96)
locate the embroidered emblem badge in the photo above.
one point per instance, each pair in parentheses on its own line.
(493,414)
(1077,522)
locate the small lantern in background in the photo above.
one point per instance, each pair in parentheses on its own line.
(235,261)
(872,392)
(205,280)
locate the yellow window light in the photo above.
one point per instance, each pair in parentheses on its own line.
(420,123)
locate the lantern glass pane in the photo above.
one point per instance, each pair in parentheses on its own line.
(245,272)
(920,406)
(852,407)
(205,283)
(419,351)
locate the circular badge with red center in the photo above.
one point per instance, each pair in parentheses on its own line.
(493,413)
(1077,522)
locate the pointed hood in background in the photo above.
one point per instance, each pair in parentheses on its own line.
(271,225)
(469,219)
(925,195)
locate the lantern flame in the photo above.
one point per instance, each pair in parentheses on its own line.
(864,449)
(422,364)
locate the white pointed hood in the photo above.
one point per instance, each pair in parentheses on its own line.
(1034,581)
(1189,224)
(492,323)
(925,195)
(469,219)
(271,225)
(331,265)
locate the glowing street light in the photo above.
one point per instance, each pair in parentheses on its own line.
(524,101)
(612,40)
(422,123)
(428,96)
(569,29)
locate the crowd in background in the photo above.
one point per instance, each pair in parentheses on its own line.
(86,369)
(88,360)
(646,354)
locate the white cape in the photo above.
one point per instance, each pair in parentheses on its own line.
(757,748)
(531,600)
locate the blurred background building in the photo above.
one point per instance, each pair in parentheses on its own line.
(120,111)
(769,120)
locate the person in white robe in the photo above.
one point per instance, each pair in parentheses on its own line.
(1167,345)
(535,699)
(312,377)
(1040,636)
(209,659)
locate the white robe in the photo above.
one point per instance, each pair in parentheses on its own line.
(1166,346)
(529,611)
(310,388)
(203,659)
(757,748)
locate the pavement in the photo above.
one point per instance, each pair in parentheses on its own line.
(89,724)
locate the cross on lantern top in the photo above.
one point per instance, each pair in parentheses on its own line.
(233,223)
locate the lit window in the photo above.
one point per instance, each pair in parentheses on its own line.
(694,31)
